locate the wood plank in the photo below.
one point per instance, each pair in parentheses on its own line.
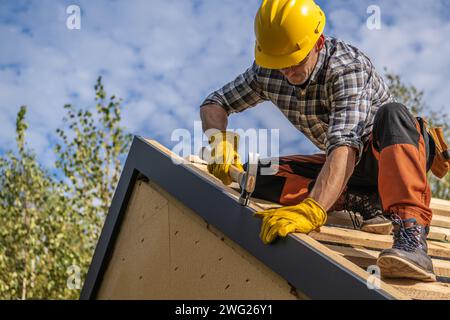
(440,221)
(342,219)
(439,230)
(421,290)
(440,225)
(366,257)
(439,234)
(375,241)
(440,217)
(416,290)
(440,207)
(195,159)
(347,264)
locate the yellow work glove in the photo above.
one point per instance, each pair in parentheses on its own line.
(224,154)
(303,218)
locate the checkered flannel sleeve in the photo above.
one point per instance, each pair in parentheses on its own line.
(242,93)
(350,108)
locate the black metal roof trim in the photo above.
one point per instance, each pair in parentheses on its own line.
(303,266)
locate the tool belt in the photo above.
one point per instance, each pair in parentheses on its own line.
(437,149)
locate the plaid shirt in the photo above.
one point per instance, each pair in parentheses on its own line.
(336,107)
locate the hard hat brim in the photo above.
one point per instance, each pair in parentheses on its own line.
(279,62)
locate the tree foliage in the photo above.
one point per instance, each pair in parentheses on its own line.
(90,158)
(49,223)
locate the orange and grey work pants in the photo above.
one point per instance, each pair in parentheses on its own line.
(394,163)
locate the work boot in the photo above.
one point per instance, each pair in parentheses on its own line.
(368,206)
(408,257)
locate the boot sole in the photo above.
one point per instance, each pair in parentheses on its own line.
(395,267)
(381,228)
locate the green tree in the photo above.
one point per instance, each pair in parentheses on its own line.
(89,156)
(51,223)
(413,98)
(37,239)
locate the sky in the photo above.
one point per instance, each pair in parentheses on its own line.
(163,57)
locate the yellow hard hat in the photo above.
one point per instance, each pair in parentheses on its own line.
(286,31)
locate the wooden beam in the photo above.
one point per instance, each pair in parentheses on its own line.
(366,257)
(375,241)
(440,221)
(440,207)
(416,290)
(421,290)
(350,266)
(439,233)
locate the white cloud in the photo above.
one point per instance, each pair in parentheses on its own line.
(163,57)
(412,42)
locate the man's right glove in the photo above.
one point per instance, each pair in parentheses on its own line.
(304,217)
(224,154)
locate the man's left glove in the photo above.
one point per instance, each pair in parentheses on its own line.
(224,154)
(303,217)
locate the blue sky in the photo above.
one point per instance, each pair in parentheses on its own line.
(163,57)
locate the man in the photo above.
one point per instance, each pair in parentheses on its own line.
(376,157)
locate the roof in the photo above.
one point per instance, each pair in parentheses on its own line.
(330,264)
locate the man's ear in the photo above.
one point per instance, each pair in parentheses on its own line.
(320,42)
